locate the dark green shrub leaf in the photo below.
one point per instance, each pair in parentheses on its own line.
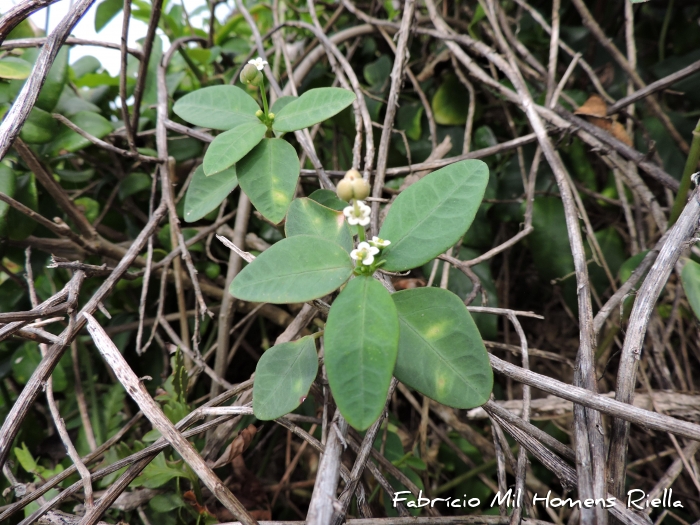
(7,186)
(217,107)
(268,175)
(361,342)
(68,140)
(206,193)
(283,377)
(450,103)
(432,214)
(441,353)
(316,105)
(39,128)
(307,217)
(105,12)
(294,270)
(690,275)
(19,226)
(232,145)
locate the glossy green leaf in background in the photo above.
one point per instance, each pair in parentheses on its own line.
(14,68)
(316,105)
(68,140)
(205,193)
(690,275)
(217,107)
(308,217)
(105,12)
(361,343)
(7,186)
(39,128)
(283,378)
(431,215)
(268,175)
(232,145)
(19,226)
(451,103)
(55,80)
(294,270)
(441,353)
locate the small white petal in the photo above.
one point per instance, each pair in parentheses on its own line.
(355,254)
(373,250)
(348,211)
(352,221)
(363,246)
(368,260)
(364,221)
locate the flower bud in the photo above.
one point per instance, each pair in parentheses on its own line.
(251,75)
(271,116)
(259,113)
(360,188)
(344,190)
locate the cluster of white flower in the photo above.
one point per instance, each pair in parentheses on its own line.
(358,213)
(258,63)
(366,251)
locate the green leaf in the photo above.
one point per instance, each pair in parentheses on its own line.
(431,215)
(55,81)
(329,199)
(217,107)
(307,217)
(26,459)
(39,128)
(690,275)
(7,186)
(294,270)
(206,193)
(361,344)
(441,353)
(105,12)
(450,103)
(133,184)
(232,145)
(19,226)
(283,378)
(268,175)
(159,472)
(281,102)
(68,140)
(316,105)
(14,68)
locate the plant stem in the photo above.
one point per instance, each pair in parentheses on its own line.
(264,99)
(690,166)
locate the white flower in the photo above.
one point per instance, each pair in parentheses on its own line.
(358,213)
(259,63)
(364,253)
(379,243)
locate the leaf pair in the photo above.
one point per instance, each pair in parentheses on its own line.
(267,169)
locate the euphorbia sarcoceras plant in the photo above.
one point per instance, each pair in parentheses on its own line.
(250,152)
(424,336)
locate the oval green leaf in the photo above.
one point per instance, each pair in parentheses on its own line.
(431,215)
(441,353)
(206,193)
(690,275)
(68,140)
(361,344)
(217,107)
(314,106)
(294,270)
(232,145)
(308,217)
(39,128)
(329,199)
(268,175)
(283,378)
(14,68)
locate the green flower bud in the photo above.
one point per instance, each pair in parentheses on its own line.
(271,116)
(259,113)
(251,76)
(344,190)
